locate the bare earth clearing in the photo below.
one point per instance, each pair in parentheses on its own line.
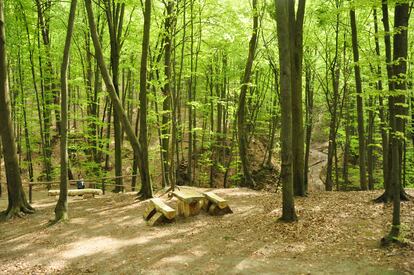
(337,233)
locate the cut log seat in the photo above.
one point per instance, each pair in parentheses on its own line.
(77,192)
(189,202)
(216,205)
(221,203)
(158,212)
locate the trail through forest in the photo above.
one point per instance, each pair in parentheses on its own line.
(337,233)
(317,162)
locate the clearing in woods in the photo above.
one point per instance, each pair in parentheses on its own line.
(337,233)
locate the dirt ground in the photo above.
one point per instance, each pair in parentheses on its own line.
(337,233)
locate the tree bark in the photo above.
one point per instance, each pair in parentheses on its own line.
(382,114)
(284,41)
(360,106)
(309,119)
(167,91)
(401,18)
(388,193)
(61,209)
(298,135)
(111,89)
(17,202)
(115,13)
(241,112)
(146,190)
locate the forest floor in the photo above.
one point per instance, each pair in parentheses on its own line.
(337,233)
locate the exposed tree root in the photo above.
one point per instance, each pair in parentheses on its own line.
(142,196)
(393,238)
(404,196)
(58,221)
(16,212)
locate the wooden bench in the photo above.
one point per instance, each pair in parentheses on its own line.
(86,193)
(158,212)
(215,205)
(189,202)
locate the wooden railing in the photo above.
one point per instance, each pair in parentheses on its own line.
(104,182)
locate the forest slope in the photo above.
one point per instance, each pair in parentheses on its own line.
(337,233)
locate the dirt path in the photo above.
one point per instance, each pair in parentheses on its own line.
(317,161)
(337,233)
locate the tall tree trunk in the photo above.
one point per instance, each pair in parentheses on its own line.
(347,145)
(388,193)
(370,141)
(274,118)
(167,91)
(17,202)
(309,119)
(115,14)
(296,28)
(382,113)
(47,87)
(397,110)
(111,89)
(360,100)
(284,41)
(146,190)
(242,128)
(28,146)
(61,209)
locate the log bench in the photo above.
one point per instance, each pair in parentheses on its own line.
(86,193)
(215,205)
(189,202)
(158,212)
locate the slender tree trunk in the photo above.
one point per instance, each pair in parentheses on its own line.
(61,209)
(242,128)
(370,141)
(111,89)
(167,91)
(17,202)
(28,146)
(360,106)
(388,193)
(401,18)
(309,120)
(47,87)
(347,145)
(382,113)
(282,15)
(115,13)
(274,118)
(296,28)
(146,190)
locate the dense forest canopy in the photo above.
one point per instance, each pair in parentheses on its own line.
(145,95)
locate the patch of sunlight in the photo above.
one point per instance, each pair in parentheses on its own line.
(198,251)
(100,244)
(176,259)
(20,246)
(246,264)
(79,220)
(160,247)
(239,192)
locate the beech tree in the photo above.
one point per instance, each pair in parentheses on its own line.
(114,97)
(242,108)
(17,202)
(284,42)
(61,210)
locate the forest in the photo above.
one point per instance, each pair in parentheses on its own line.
(260,136)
